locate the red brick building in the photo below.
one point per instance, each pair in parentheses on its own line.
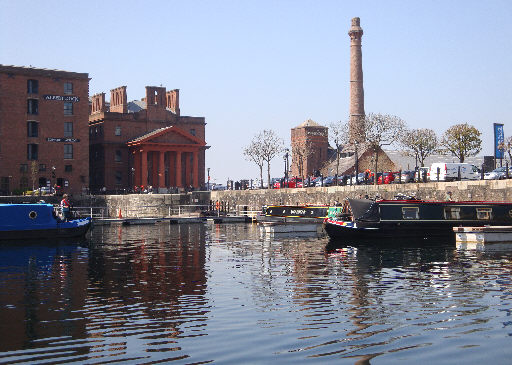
(43,129)
(309,142)
(145,142)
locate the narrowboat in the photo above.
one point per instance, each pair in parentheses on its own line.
(411,218)
(38,221)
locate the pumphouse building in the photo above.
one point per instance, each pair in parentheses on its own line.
(145,143)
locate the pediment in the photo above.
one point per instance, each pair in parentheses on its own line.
(168,136)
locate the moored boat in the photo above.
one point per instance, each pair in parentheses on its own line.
(294,213)
(409,217)
(34,221)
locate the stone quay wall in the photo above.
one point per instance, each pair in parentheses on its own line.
(482,190)
(238,201)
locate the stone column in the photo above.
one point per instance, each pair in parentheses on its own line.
(195,170)
(356,121)
(161,169)
(144,169)
(179,183)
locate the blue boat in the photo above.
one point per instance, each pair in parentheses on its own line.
(29,221)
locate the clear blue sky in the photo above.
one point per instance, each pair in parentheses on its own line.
(247,66)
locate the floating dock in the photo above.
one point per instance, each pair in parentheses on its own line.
(487,237)
(171,220)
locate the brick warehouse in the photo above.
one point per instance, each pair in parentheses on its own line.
(43,129)
(145,142)
(310,145)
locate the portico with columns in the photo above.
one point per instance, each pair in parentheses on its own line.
(166,158)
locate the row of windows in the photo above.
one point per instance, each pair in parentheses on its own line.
(117,131)
(449,213)
(33,129)
(33,87)
(33,151)
(42,168)
(33,107)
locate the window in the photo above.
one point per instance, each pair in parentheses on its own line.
(68,88)
(32,129)
(410,213)
(451,213)
(32,86)
(193,132)
(23,167)
(484,213)
(119,177)
(118,157)
(68,168)
(32,106)
(68,108)
(68,129)
(32,151)
(24,183)
(68,151)
(42,167)
(118,131)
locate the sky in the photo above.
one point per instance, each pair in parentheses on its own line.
(249,66)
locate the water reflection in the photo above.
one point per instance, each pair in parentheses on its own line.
(222,293)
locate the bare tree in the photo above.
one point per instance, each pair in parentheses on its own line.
(338,136)
(419,143)
(382,130)
(462,140)
(263,148)
(253,153)
(33,173)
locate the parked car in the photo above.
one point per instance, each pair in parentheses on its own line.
(44,190)
(360,178)
(386,178)
(407,176)
(449,171)
(421,173)
(498,174)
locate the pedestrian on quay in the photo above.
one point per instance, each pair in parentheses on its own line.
(65,206)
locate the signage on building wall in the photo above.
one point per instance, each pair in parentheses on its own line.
(498,140)
(317,133)
(68,140)
(74,99)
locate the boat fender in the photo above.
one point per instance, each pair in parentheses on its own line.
(32,215)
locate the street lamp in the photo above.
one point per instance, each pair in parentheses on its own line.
(356,162)
(208,170)
(286,164)
(133,178)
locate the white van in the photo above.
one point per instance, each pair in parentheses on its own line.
(449,171)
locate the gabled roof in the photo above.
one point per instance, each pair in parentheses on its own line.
(309,123)
(148,137)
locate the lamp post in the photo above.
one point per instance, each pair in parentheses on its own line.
(133,178)
(208,182)
(53,177)
(356,162)
(285,158)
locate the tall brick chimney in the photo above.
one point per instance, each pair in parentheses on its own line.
(173,101)
(98,103)
(356,121)
(155,102)
(118,100)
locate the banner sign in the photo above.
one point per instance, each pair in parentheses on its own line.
(68,140)
(74,99)
(499,139)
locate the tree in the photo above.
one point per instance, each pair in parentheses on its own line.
(382,130)
(33,173)
(419,143)
(253,153)
(462,140)
(338,136)
(271,146)
(263,148)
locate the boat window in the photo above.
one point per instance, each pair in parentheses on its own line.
(32,215)
(451,213)
(484,213)
(410,212)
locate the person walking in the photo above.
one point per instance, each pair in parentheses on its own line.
(65,206)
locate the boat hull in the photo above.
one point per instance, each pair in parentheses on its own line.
(37,221)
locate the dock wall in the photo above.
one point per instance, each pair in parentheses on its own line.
(491,190)
(160,205)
